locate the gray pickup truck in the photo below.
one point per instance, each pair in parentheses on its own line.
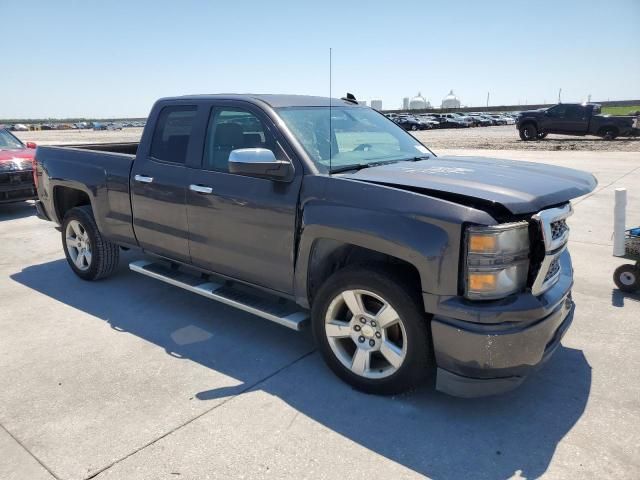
(301,209)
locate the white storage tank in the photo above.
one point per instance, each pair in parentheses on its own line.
(418,103)
(450,101)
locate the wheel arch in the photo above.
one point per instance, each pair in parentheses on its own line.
(328,256)
(604,128)
(67,197)
(528,121)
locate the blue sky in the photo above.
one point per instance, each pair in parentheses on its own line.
(114,58)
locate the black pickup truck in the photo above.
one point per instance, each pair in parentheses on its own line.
(574,119)
(298,208)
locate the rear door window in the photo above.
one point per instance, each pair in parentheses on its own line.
(172,134)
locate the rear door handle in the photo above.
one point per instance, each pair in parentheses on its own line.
(200,189)
(143,179)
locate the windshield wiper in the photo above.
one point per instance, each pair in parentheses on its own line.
(360,166)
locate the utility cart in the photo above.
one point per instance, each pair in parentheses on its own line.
(627,276)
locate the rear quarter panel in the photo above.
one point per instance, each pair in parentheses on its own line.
(104,177)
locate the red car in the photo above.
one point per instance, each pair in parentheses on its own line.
(16,169)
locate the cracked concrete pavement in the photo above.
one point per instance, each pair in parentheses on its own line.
(132,378)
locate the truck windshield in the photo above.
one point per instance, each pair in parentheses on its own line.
(355,136)
(8,141)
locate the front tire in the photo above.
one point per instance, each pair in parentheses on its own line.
(372,331)
(627,278)
(88,253)
(528,132)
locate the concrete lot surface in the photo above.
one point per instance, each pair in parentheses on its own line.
(130,378)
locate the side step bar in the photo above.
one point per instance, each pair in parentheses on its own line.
(250,300)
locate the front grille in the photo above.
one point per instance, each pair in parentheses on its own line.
(554,268)
(16,177)
(553,228)
(558,228)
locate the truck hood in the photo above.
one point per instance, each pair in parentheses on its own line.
(520,187)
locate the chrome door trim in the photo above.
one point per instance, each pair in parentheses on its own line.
(200,189)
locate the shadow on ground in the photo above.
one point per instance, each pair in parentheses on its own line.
(618,297)
(14,211)
(430,433)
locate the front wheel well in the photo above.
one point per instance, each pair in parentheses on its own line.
(527,122)
(607,128)
(329,256)
(66,198)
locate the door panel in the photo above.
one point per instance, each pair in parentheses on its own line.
(241,226)
(159,209)
(245,228)
(159,185)
(567,119)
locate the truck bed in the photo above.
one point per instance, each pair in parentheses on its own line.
(129,148)
(100,170)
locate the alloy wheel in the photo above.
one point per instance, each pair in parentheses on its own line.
(366,334)
(78,245)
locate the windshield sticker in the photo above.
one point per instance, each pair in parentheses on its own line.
(421,149)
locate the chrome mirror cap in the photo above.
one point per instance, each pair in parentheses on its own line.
(252,155)
(260,163)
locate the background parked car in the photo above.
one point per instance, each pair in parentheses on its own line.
(448,120)
(16,169)
(410,123)
(429,121)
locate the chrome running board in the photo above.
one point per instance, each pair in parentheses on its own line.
(253,301)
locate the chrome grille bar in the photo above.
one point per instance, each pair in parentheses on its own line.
(555,235)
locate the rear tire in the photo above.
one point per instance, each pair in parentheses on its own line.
(88,253)
(372,331)
(609,133)
(528,132)
(627,278)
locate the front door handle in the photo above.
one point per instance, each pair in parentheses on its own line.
(143,179)
(200,189)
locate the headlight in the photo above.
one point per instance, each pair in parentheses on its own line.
(497,260)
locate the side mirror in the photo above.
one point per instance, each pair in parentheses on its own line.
(259,162)
(31,145)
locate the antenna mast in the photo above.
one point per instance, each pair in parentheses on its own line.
(330,130)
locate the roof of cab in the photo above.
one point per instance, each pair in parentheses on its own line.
(275,101)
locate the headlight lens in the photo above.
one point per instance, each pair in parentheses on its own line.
(497,260)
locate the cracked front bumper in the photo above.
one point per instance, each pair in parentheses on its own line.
(496,345)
